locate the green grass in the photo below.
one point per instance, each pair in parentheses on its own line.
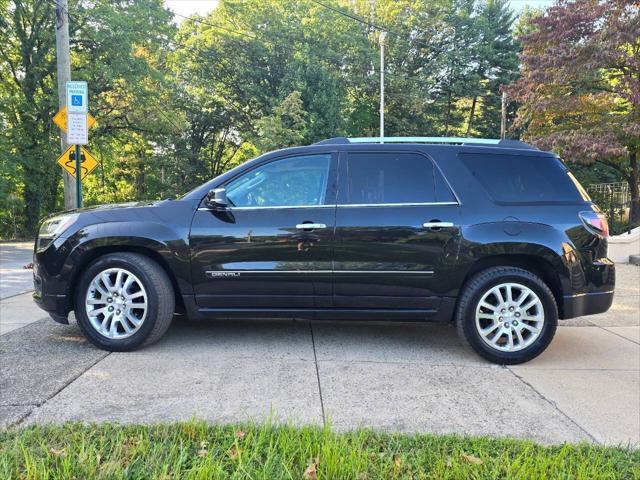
(196,450)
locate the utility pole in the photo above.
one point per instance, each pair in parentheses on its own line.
(64,75)
(381,41)
(503,117)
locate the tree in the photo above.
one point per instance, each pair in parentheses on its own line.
(117,48)
(497,65)
(580,85)
(286,127)
(27,54)
(177,105)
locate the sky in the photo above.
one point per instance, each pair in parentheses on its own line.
(188,7)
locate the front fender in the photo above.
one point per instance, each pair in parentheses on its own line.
(67,257)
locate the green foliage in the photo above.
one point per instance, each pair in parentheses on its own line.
(286,127)
(27,54)
(177,105)
(580,85)
(199,450)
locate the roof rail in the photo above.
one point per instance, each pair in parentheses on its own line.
(454,140)
(334,141)
(477,141)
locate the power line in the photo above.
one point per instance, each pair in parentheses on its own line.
(335,61)
(237,32)
(158,109)
(377,26)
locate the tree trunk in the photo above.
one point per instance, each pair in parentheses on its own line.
(448,119)
(32,198)
(471,114)
(634,214)
(140,193)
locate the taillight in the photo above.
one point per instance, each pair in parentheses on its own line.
(595,221)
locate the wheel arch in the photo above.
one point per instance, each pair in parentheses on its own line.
(537,265)
(90,255)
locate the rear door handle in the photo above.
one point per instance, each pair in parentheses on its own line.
(310,226)
(437,224)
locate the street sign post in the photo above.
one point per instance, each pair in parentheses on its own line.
(77,109)
(75,120)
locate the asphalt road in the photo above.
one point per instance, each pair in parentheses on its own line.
(394,377)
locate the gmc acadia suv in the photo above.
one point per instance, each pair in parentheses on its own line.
(495,236)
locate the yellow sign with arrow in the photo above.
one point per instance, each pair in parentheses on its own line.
(60,119)
(68,161)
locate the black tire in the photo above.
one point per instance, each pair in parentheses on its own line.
(472,293)
(160,301)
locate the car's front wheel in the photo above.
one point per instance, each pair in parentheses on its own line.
(123,301)
(508,315)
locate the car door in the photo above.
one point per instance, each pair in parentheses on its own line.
(397,231)
(272,247)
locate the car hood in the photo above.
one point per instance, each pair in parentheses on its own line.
(114,211)
(114,206)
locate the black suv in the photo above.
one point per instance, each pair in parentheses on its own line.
(496,236)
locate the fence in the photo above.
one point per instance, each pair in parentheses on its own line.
(615,200)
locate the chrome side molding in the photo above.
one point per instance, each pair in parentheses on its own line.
(437,224)
(310,226)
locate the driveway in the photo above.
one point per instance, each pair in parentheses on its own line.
(394,377)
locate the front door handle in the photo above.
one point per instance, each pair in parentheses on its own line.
(310,226)
(437,224)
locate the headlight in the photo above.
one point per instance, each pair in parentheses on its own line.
(53,227)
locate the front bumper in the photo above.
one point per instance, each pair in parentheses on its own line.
(55,305)
(45,291)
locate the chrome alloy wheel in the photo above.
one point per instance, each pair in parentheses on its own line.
(509,317)
(116,303)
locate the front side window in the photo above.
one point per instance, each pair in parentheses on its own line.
(291,182)
(393,177)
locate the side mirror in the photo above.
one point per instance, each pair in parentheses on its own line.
(217,198)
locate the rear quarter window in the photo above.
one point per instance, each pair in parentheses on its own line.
(523,178)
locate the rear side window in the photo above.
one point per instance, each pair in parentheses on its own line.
(523,178)
(389,177)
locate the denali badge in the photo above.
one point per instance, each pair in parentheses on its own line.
(213,274)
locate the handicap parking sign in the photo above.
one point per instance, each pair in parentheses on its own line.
(77,97)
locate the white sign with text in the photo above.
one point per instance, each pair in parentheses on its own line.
(77,129)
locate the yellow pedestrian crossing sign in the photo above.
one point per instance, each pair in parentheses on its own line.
(60,119)
(68,161)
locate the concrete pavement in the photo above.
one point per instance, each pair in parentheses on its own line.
(16,284)
(407,378)
(14,278)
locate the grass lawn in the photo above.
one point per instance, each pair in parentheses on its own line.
(201,451)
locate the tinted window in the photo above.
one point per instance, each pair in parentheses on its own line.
(521,178)
(294,181)
(374,178)
(443,192)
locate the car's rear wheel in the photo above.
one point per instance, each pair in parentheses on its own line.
(506,314)
(123,301)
